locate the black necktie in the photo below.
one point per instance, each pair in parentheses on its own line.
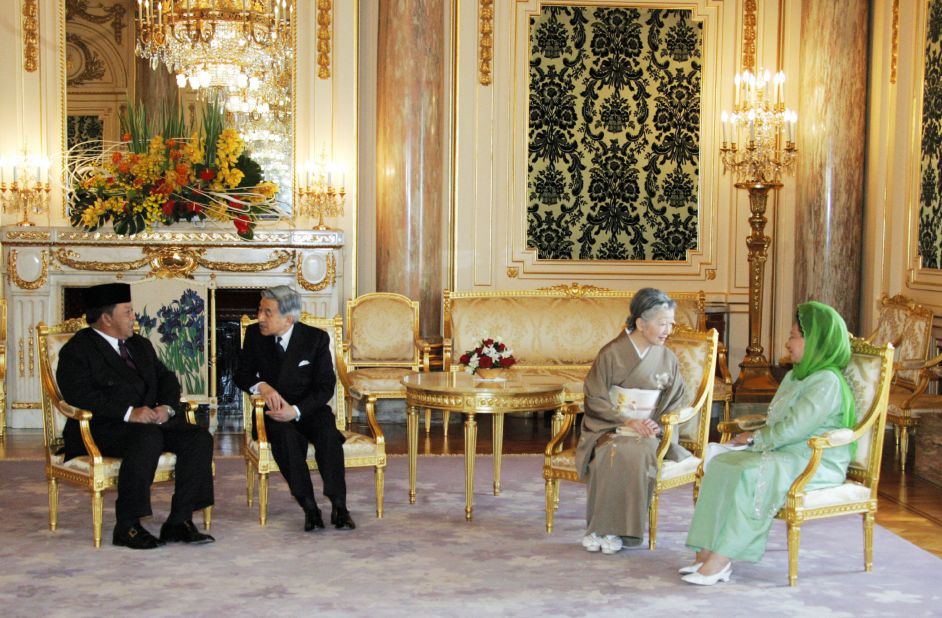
(123,351)
(279,349)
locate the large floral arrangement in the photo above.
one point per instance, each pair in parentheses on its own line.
(491,353)
(161,176)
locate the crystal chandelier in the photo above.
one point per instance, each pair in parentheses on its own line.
(217,45)
(761,121)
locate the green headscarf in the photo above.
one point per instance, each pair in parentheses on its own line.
(827,347)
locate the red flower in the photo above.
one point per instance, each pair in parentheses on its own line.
(182,170)
(465,359)
(241,223)
(168,207)
(488,342)
(125,137)
(115,157)
(501,347)
(507,362)
(207,174)
(171,142)
(486,362)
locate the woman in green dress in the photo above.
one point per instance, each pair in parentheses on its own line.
(742,490)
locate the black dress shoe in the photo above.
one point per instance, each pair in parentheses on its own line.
(312,519)
(183,533)
(340,518)
(134,536)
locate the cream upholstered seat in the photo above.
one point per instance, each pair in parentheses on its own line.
(92,472)
(3,366)
(908,326)
(696,352)
(382,346)
(359,450)
(868,374)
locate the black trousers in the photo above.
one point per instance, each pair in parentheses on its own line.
(139,446)
(289,442)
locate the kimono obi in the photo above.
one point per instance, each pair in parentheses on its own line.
(633,403)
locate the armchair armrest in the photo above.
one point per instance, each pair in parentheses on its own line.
(258,405)
(836,437)
(722,364)
(83,417)
(569,412)
(341,364)
(425,353)
(749,422)
(446,354)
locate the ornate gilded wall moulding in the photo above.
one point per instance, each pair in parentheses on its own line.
(78,9)
(69,258)
(485,40)
(30,35)
(14,277)
(330,276)
(894,43)
(324,30)
(749,21)
(512,272)
(575,290)
(40,236)
(279,257)
(173,262)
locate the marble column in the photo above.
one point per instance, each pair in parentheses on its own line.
(831,139)
(409,154)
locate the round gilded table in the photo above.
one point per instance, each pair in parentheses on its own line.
(463,392)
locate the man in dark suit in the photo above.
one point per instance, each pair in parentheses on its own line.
(114,373)
(289,364)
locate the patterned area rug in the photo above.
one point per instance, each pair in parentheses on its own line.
(425,559)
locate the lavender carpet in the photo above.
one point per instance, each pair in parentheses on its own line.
(425,560)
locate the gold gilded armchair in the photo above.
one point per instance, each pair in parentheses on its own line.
(908,327)
(359,450)
(93,472)
(381,347)
(696,351)
(868,374)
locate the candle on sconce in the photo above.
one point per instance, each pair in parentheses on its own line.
(738,87)
(724,118)
(3,170)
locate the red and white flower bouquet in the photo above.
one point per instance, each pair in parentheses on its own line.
(491,353)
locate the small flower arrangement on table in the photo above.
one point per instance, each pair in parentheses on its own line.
(490,354)
(164,171)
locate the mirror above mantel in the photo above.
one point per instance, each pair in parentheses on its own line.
(120,51)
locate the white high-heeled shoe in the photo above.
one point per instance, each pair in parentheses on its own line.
(690,568)
(708,580)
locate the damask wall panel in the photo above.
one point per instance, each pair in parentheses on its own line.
(614,133)
(930,198)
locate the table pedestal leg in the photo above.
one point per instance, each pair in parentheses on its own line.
(412,440)
(470,448)
(498,423)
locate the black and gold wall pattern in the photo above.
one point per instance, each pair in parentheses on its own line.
(930,194)
(614,133)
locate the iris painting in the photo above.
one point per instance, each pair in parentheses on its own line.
(181,325)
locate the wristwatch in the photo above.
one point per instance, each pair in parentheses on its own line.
(170,411)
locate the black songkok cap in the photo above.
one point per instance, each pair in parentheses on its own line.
(106,294)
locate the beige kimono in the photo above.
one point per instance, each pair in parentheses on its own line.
(621,469)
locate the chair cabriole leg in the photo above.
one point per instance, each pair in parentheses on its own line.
(53,503)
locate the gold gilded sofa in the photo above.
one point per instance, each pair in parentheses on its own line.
(555,331)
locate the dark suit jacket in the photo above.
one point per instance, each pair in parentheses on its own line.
(304,378)
(91,375)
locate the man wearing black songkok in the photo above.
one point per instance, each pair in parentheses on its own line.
(135,401)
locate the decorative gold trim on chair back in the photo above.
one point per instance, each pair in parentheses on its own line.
(359,354)
(51,397)
(869,361)
(334,328)
(906,325)
(684,342)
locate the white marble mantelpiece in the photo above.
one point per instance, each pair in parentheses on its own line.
(41,262)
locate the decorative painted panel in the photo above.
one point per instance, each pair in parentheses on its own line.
(614,133)
(930,198)
(87,131)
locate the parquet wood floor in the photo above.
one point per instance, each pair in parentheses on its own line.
(909,506)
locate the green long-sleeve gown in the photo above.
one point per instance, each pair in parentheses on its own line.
(743,490)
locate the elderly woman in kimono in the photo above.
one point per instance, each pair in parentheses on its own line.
(618,445)
(742,490)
